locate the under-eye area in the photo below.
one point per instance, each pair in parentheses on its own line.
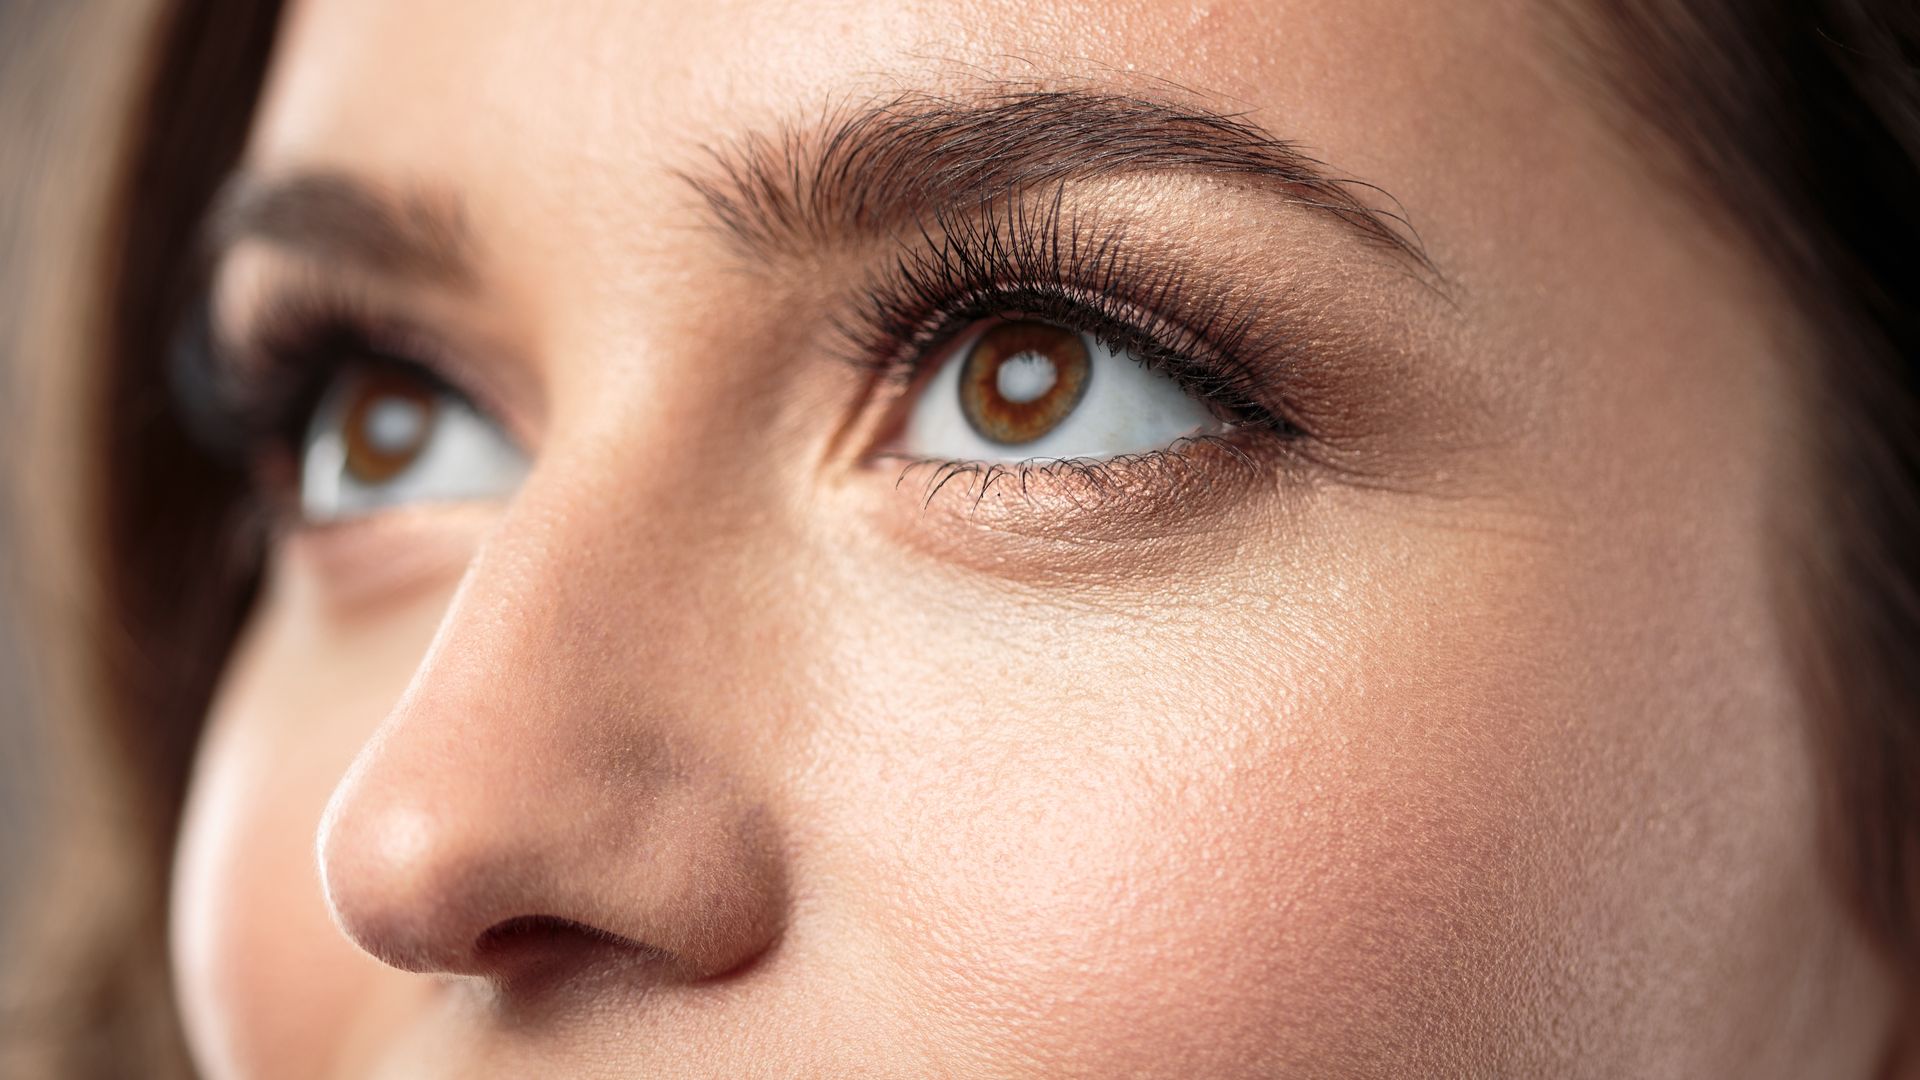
(1193,484)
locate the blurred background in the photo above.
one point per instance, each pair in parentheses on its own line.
(16,745)
(38,102)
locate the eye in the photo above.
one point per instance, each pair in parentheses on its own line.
(384,438)
(1020,389)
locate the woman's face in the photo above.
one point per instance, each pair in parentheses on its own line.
(707,680)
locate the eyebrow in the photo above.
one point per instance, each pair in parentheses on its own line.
(862,172)
(333,216)
(888,164)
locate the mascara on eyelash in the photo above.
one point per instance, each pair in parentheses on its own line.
(1082,276)
(234,399)
(239,399)
(195,386)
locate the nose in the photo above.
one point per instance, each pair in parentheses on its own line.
(538,804)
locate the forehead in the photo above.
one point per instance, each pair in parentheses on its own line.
(1437,103)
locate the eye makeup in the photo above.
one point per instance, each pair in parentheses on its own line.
(1027,266)
(1079,273)
(1029,269)
(253,393)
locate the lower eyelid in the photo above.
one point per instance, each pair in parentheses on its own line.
(369,564)
(1128,522)
(1189,478)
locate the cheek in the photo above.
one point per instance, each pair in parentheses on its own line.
(268,986)
(1244,842)
(1249,901)
(1399,823)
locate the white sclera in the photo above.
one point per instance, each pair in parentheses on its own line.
(1126,409)
(464,457)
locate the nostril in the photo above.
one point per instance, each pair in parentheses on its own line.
(528,951)
(536,931)
(431,871)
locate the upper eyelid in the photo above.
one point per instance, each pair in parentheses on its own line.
(1090,265)
(528,433)
(293,303)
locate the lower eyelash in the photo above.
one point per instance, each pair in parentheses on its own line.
(1084,484)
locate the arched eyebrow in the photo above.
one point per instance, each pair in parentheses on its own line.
(860,172)
(884,165)
(339,218)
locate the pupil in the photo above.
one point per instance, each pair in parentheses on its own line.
(1026,377)
(394,425)
(1021,379)
(386,426)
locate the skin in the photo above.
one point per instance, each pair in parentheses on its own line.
(1464,745)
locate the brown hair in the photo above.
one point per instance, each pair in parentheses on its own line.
(1798,123)
(142,574)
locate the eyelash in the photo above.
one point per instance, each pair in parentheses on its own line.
(250,402)
(1073,273)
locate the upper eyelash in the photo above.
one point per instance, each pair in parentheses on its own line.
(238,397)
(967,267)
(1079,274)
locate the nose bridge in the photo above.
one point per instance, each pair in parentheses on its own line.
(540,771)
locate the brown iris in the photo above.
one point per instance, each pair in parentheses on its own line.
(388,419)
(1021,379)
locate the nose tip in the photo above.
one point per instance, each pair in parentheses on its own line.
(558,786)
(394,893)
(522,901)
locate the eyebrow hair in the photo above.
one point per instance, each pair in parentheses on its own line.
(861,172)
(338,217)
(885,165)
